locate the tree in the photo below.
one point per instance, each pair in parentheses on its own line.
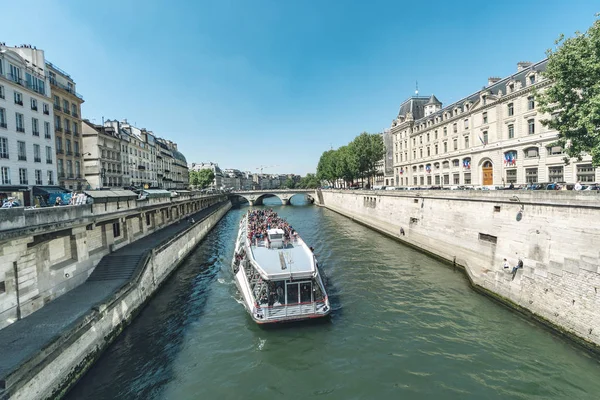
(194,180)
(368,150)
(326,169)
(310,181)
(347,164)
(573,99)
(289,184)
(205,178)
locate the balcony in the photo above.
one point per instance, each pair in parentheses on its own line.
(19,102)
(66,110)
(37,159)
(57,129)
(75,114)
(60,151)
(64,87)
(15,78)
(3,125)
(46,111)
(77,154)
(47,136)
(69,153)
(57,107)
(76,134)
(20,129)
(68,131)
(78,176)
(141,167)
(48,161)
(22,158)
(61,175)
(38,183)
(34,108)
(70,176)
(36,133)
(24,182)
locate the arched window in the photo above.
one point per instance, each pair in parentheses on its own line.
(487,164)
(436,165)
(531,152)
(446,164)
(455,162)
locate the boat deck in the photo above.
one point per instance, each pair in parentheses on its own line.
(293,261)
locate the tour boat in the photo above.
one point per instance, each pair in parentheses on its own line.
(276,273)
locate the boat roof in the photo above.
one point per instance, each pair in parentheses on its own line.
(275,231)
(295,261)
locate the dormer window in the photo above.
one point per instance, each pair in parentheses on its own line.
(484,100)
(511,88)
(531,79)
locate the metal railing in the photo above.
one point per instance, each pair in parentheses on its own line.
(20,129)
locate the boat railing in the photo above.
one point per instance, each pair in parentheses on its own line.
(287,310)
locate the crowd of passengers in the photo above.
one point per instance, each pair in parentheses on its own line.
(260,221)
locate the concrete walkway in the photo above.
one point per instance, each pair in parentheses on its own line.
(30,335)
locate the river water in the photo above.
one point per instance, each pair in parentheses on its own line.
(404,326)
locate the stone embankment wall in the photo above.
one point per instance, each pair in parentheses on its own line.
(84,342)
(47,252)
(556,234)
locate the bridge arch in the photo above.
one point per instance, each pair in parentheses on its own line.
(256,197)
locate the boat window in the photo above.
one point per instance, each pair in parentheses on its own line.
(292,293)
(305,292)
(276,236)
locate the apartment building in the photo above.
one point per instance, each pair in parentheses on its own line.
(26,134)
(67,128)
(491,137)
(102,159)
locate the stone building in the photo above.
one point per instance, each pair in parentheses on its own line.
(102,156)
(491,137)
(26,134)
(67,127)
(218,181)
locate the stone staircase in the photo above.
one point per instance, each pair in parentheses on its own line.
(115,267)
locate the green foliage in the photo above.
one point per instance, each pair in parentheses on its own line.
(310,181)
(202,179)
(356,160)
(289,184)
(573,99)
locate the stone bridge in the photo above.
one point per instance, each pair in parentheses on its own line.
(255,197)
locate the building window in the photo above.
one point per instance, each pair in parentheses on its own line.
(531,126)
(511,176)
(456,179)
(35,127)
(466,142)
(18,98)
(428,151)
(445,131)
(74,110)
(57,123)
(48,155)
(67,126)
(466,123)
(46,108)
(50,178)
(485,138)
(455,144)
(467,178)
(36,153)
(420,141)
(436,149)
(437,179)
(77,169)
(455,162)
(75,128)
(1,89)
(34,104)
(421,152)
(585,173)
(2,118)
(76,148)
(20,123)
(38,176)
(47,130)
(428,138)
(531,79)
(60,168)
(58,144)
(3,147)
(530,103)
(23,176)
(455,127)
(531,152)
(511,109)
(554,151)
(445,147)
(415,180)
(484,100)
(511,131)
(555,174)
(484,117)
(5,172)
(65,106)
(531,175)
(446,164)
(22,153)
(68,146)
(435,134)
(70,168)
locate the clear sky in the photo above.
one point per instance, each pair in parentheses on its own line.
(248,83)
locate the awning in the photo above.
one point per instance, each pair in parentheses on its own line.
(46,190)
(8,189)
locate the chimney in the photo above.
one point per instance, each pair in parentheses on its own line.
(521,65)
(492,80)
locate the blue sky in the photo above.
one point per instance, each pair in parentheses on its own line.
(251,83)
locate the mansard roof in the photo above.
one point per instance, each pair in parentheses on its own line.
(414,105)
(434,101)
